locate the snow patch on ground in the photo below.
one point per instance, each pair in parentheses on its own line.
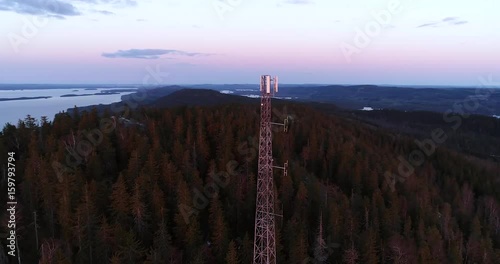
(246,90)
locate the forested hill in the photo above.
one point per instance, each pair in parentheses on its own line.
(178,186)
(199,97)
(466,133)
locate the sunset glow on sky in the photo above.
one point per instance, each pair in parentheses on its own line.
(444,42)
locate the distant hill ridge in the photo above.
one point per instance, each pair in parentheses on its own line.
(199,97)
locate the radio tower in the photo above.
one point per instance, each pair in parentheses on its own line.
(264,251)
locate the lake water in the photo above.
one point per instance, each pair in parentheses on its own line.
(12,111)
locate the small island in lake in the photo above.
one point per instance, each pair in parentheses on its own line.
(101,93)
(24,98)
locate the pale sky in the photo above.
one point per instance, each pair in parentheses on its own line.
(442,42)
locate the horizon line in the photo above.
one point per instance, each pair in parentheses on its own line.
(256,84)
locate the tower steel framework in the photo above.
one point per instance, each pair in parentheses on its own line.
(264,238)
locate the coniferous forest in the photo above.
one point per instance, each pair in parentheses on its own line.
(178,185)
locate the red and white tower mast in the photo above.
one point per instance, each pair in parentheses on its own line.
(264,239)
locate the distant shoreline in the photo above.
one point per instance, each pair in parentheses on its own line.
(78,95)
(21,87)
(24,98)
